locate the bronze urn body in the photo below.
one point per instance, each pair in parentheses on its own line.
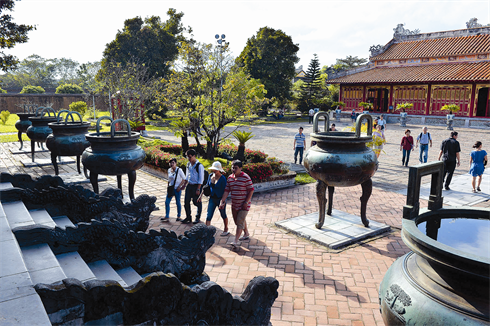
(40,130)
(68,138)
(341,159)
(444,280)
(113,153)
(23,123)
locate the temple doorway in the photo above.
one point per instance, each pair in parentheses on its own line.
(379,98)
(483,105)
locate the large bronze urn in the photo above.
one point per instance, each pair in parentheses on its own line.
(341,159)
(444,280)
(113,153)
(68,138)
(23,123)
(39,130)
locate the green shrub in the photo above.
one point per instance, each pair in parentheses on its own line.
(32,90)
(258,172)
(4,116)
(79,106)
(69,89)
(2,90)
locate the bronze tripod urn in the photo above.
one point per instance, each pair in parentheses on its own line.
(341,159)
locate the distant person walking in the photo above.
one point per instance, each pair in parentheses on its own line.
(407,146)
(379,138)
(478,160)
(311,114)
(353,115)
(425,140)
(450,156)
(382,123)
(241,188)
(299,145)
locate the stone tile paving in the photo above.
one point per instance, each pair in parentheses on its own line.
(318,286)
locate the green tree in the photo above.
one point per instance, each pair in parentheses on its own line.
(65,70)
(69,89)
(152,42)
(32,90)
(349,62)
(270,56)
(33,70)
(194,94)
(10,35)
(86,77)
(79,106)
(312,87)
(2,91)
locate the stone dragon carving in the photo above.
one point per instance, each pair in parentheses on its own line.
(77,203)
(400,31)
(375,49)
(159,299)
(184,256)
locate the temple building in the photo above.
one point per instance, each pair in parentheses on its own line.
(426,69)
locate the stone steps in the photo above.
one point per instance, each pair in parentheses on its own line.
(21,267)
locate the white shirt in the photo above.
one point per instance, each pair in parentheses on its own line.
(311,112)
(381,122)
(175,177)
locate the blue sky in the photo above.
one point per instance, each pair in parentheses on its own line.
(332,29)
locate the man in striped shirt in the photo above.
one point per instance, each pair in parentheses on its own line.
(241,188)
(299,145)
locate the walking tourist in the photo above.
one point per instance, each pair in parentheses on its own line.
(425,139)
(241,188)
(332,127)
(299,145)
(194,178)
(478,160)
(382,123)
(379,139)
(353,115)
(216,183)
(174,189)
(450,153)
(311,113)
(407,146)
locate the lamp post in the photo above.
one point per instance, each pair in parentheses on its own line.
(222,45)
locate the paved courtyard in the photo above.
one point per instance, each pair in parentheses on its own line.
(318,286)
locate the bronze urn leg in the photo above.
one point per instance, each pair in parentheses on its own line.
(321,190)
(33,145)
(55,164)
(94,181)
(19,134)
(78,164)
(367,189)
(331,190)
(132,181)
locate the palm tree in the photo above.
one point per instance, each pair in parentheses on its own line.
(242,137)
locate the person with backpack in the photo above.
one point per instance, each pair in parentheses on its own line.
(407,146)
(425,139)
(194,178)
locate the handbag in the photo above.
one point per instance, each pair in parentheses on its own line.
(206,190)
(170,191)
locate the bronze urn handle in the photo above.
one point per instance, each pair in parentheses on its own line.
(369,119)
(97,126)
(113,129)
(44,110)
(315,121)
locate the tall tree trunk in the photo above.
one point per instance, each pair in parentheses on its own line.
(210,151)
(185,142)
(240,155)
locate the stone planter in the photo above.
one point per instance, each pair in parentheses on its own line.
(403,119)
(449,121)
(273,183)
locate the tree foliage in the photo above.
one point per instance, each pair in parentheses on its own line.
(152,42)
(349,62)
(10,35)
(69,89)
(193,92)
(311,89)
(32,90)
(270,56)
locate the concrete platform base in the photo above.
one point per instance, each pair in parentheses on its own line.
(340,230)
(27,150)
(75,178)
(45,161)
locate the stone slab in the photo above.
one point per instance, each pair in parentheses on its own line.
(74,266)
(27,149)
(461,191)
(339,230)
(76,179)
(39,162)
(27,310)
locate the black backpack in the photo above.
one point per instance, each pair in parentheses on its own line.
(206,176)
(428,135)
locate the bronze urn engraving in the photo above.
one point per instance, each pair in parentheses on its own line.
(341,159)
(68,138)
(113,153)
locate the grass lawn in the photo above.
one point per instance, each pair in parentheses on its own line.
(12,138)
(303,178)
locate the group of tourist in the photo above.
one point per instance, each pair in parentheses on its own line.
(238,185)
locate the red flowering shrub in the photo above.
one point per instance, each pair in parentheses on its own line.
(277,166)
(258,172)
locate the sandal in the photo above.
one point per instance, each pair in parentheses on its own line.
(474,190)
(478,189)
(164,219)
(224,234)
(235,245)
(245,237)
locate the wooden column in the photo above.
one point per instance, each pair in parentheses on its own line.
(429,94)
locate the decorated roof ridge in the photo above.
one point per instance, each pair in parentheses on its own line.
(437,72)
(387,51)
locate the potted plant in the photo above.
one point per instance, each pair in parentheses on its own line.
(338,111)
(452,108)
(242,137)
(403,114)
(366,106)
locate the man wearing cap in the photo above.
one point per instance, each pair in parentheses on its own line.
(241,188)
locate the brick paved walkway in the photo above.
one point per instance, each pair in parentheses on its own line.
(317,286)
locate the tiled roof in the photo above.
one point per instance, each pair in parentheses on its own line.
(449,46)
(443,72)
